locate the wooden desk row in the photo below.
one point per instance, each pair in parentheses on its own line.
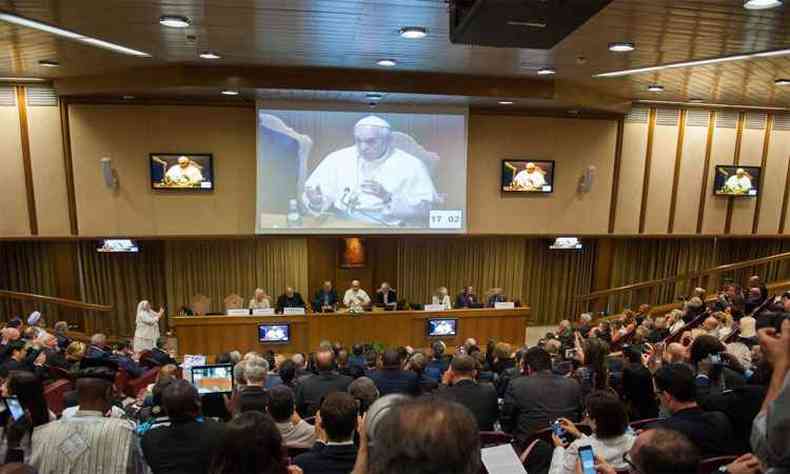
(211,335)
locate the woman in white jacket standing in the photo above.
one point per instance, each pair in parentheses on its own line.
(147,331)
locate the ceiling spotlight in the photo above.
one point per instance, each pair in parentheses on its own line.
(622,47)
(761,4)
(48,63)
(655,88)
(374,96)
(230,92)
(505,102)
(387,62)
(210,55)
(546,71)
(782,82)
(128,97)
(174,21)
(413,32)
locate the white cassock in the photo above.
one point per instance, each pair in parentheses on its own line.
(189,175)
(341,174)
(736,184)
(146,329)
(534,180)
(356,297)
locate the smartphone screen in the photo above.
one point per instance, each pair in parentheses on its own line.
(587,459)
(15,408)
(558,429)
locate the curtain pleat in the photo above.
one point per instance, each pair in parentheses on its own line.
(27,267)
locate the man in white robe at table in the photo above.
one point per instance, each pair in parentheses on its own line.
(356,296)
(371,181)
(185,173)
(530,178)
(739,183)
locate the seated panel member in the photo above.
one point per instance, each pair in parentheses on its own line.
(442,297)
(356,296)
(386,296)
(289,299)
(497,296)
(260,301)
(326,299)
(467,298)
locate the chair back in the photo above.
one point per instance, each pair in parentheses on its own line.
(710,465)
(494,438)
(59,373)
(147,360)
(134,386)
(54,393)
(640,424)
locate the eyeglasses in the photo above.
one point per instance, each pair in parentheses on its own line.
(631,466)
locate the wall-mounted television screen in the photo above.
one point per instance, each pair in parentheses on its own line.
(441,327)
(740,181)
(118,246)
(182,171)
(527,176)
(566,243)
(271,333)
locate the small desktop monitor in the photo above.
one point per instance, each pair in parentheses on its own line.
(738,181)
(118,246)
(442,327)
(274,333)
(182,171)
(217,378)
(527,176)
(566,243)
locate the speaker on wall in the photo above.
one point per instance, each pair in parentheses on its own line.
(108,173)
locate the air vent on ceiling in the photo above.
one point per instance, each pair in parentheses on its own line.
(782,122)
(756,120)
(669,117)
(536,24)
(727,119)
(637,115)
(7,97)
(697,118)
(41,97)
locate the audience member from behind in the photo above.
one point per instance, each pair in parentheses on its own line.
(252,395)
(312,389)
(364,392)
(188,442)
(459,385)
(638,387)
(533,402)
(716,369)
(335,424)
(391,379)
(659,451)
(438,364)
(593,374)
(417,364)
(251,445)
(60,334)
(296,432)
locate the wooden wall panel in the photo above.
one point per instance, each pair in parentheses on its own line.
(13,201)
(690,178)
(46,154)
(751,155)
(662,171)
(774,182)
(722,153)
(632,170)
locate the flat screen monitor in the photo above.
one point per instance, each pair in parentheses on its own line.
(442,327)
(217,378)
(118,246)
(738,181)
(352,172)
(274,333)
(182,171)
(566,243)
(527,176)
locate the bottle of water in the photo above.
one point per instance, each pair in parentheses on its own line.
(294,216)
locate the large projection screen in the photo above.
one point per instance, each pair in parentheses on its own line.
(349,171)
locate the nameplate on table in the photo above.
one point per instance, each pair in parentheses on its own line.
(293,310)
(238,312)
(505,305)
(434,307)
(263,312)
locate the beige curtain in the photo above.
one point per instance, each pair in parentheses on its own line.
(218,268)
(122,280)
(29,268)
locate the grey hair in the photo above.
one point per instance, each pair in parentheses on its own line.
(586,317)
(98,339)
(298,359)
(238,373)
(255,373)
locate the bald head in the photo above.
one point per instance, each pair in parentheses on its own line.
(324,359)
(675,353)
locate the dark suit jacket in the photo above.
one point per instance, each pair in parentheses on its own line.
(711,432)
(318,301)
(96,352)
(638,391)
(295,301)
(162,357)
(378,298)
(182,448)
(534,402)
(479,398)
(395,381)
(251,398)
(464,301)
(323,459)
(313,388)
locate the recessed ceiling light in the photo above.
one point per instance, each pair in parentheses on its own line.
(22,79)
(622,47)
(655,88)
(174,21)
(546,71)
(413,32)
(210,55)
(128,97)
(505,102)
(696,100)
(761,4)
(374,96)
(48,63)
(387,62)
(230,92)
(782,82)
(68,34)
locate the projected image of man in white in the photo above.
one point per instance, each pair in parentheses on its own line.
(371,180)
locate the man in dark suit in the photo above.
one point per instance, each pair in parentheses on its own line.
(160,356)
(335,423)
(467,298)
(312,389)
(391,379)
(534,400)
(386,297)
(98,348)
(325,300)
(459,385)
(289,299)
